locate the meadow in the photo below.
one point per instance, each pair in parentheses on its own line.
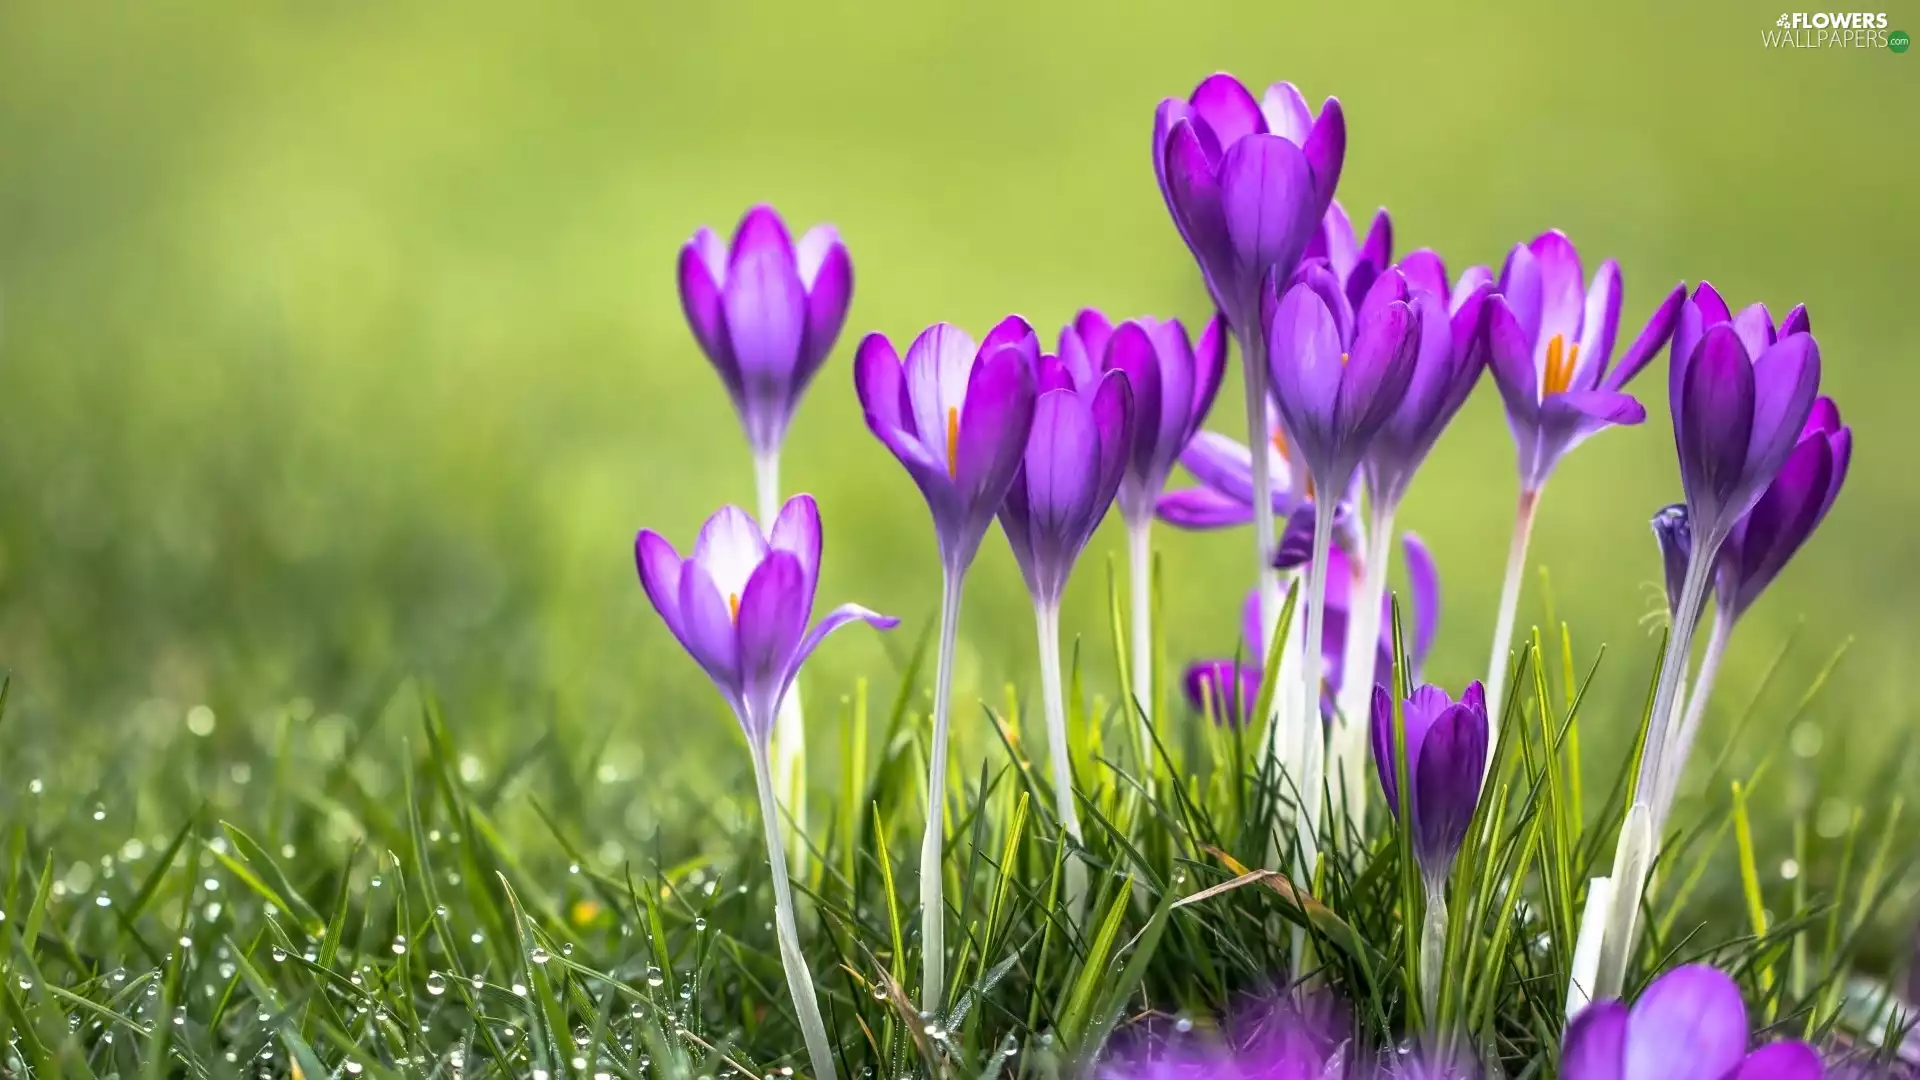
(340,360)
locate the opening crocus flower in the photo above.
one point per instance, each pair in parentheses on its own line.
(1446,754)
(1225,689)
(1550,346)
(740,607)
(1741,392)
(1174,384)
(1690,1024)
(958,417)
(766,311)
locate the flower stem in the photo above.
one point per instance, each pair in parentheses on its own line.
(1362,654)
(1053,693)
(799,979)
(1433,949)
(1680,745)
(789,726)
(1312,735)
(1637,847)
(1253,361)
(1497,663)
(1140,572)
(932,903)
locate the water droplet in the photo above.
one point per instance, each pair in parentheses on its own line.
(654,978)
(119,975)
(26,983)
(579,1063)
(879,992)
(399,945)
(436,984)
(352,1067)
(440,910)
(103,900)
(479,983)
(566,949)
(375,881)
(476,937)
(699,926)
(573,868)
(1183,1025)
(180,1016)
(519,990)
(538,955)
(1789,869)
(99,812)
(35,787)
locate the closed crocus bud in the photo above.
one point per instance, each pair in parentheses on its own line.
(1446,747)
(766,311)
(1675,537)
(1551,340)
(741,602)
(1066,481)
(1690,1024)
(957,416)
(1248,182)
(1766,538)
(1741,394)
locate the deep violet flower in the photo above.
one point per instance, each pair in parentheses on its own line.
(1690,1024)
(1076,453)
(1247,182)
(1552,342)
(1356,263)
(1173,384)
(1446,746)
(1206,681)
(740,606)
(957,416)
(766,311)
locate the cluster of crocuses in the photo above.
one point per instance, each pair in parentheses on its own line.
(1354,364)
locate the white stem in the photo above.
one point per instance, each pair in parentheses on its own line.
(1362,652)
(1311,733)
(1631,857)
(789,725)
(1053,693)
(932,903)
(799,979)
(1498,663)
(1680,741)
(1253,362)
(1586,947)
(1433,947)
(1140,572)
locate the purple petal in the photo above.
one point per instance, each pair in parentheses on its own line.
(1780,1061)
(1202,508)
(1446,784)
(700,299)
(1510,357)
(939,366)
(1381,720)
(1227,109)
(1779,523)
(1562,290)
(659,567)
(1473,277)
(1715,423)
(1222,464)
(1062,460)
(729,548)
(1304,352)
(1689,1024)
(771,621)
(994,426)
(835,619)
(706,628)
(1326,151)
(1796,322)
(1423,586)
(1521,286)
(1012,332)
(1786,379)
(1194,199)
(1114,418)
(1754,324)
(797,531)
(814,249)
(1223,690)
(829,293)
(1674,534)
(1377,371)
(1704,309)
(881,387)
(1425,271)
(1131,352)
(1267,203)
(1209,365)
(1598,324)
(766,312)
(1286,113)
(1596,1043)
(1604,406)
(1660,327)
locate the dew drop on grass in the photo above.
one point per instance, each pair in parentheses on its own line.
(479,982)
(352,1067)
(440,910)
(1789,869)
(436,984)
(539,955)
(180,1016)
(519,990)
(103,900)
(35,787)
(566,949)
(573,868)
(654,978)
(99,812)
(375,881)
(879,992)
(476,937)
(26,983)
(699,926)
(399,945)
(1183,1025)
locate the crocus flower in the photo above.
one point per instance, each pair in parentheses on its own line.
(1173,385)
(1675,537)
(1248,182)
(1229,686)
(1446,746)
(1338,376)
(1552,341)
(1690,1024)
(1455,325)
(1356,263)
(1075,456)
(740,607)
(766,311)
(957,416)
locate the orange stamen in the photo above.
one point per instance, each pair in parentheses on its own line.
(953,444)
(1343,359)
(1561,359)
(1280,443)
(733,606)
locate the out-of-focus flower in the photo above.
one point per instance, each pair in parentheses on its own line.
(766,311)
(1690,1024)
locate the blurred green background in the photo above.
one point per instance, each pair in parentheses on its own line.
(339,342)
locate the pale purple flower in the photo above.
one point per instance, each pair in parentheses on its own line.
(740,604)
(766,311)
(1690,1024)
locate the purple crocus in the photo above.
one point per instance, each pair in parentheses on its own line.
(1356,263)
(1552,342)
(766,311)
(1690,1024)
(1207,682)
(958,417)
(1248,182)
(740,607)
(1446,747)
(1550,346)
(1174,384)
